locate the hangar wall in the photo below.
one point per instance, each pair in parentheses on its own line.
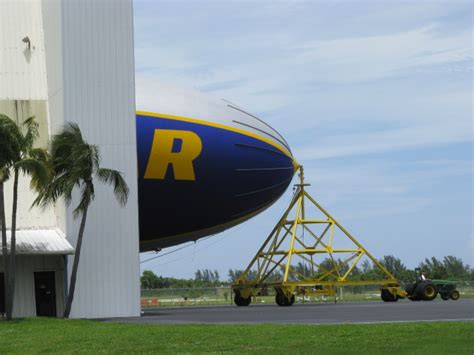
(22,68)
(23,91)
(27,265)
(77,65)
(90,74)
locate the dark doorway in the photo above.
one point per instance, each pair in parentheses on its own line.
(45,294)
(2,293)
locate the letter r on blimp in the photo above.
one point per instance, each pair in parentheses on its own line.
(162,155)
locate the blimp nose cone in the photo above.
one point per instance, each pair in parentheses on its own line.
(198,176)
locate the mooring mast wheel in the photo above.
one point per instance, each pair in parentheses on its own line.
(241,301)
(280,300)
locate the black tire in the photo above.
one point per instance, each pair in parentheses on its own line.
(410,289)
(444,296)
(282,301)
(454,295)
(414,298)
(291,301)
(387,296)
(242,302)
(426,291)
(237,300)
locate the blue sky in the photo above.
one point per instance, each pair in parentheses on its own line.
(375,99)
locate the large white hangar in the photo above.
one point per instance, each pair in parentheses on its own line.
(73,61)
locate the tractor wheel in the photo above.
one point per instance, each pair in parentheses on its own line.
(445,296)
(414,298)
(387,296)
(242,302)
(454,295)
(427,291)
(410,289)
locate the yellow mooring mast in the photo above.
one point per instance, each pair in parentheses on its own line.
(308,252)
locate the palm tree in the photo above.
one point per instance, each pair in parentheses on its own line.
(75,163)
(18,156)
(9,147)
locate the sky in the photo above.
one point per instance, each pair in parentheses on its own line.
(374,97)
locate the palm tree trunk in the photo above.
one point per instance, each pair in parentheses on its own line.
(77,255)
(13,240)
(6,264)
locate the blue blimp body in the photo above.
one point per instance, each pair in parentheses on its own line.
(204,165)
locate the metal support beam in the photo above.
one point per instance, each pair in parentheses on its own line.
(306,257)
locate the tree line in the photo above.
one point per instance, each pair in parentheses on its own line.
(449,268)
(70,163)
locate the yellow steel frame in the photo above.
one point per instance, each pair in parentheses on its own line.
(286,243)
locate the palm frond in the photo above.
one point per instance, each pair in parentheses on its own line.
(115,178)
(95,156)
(74,163)
(63,143)
(5,173)
(40,154)
(71,153)
(38,170)
(32,132)
(60,186)
(10,141)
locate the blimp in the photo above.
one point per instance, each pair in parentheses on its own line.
(204,165)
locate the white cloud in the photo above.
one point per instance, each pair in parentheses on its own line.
(352,60)
(387,140)
(270,71)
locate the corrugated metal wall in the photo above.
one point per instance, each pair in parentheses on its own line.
(22,70)
(23,92)
(26,265)
(95,88)
(51,10)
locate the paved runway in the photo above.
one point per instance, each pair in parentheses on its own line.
(319,313)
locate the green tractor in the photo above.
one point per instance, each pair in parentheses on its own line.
(427,290)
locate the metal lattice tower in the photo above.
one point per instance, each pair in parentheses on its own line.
(308,248)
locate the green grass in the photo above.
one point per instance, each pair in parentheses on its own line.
(66,336)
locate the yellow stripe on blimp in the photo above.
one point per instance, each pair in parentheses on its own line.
(217,125)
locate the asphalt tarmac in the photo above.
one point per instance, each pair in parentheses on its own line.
(317,313)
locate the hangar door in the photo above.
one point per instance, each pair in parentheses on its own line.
(45,292)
